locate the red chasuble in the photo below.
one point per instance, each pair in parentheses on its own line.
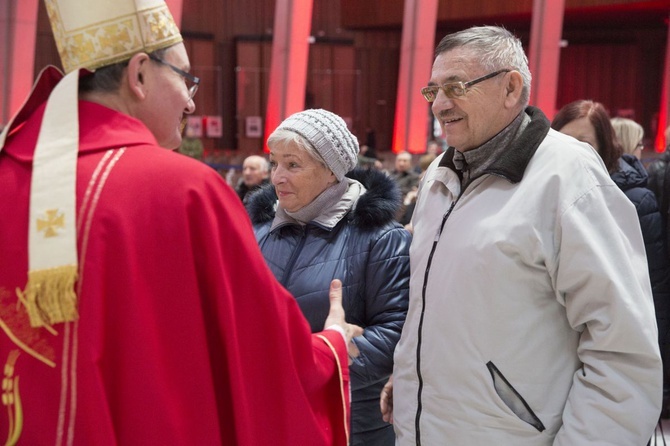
(184,337)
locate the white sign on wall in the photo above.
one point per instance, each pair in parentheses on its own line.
(214,127)
(253,127)
(194,127)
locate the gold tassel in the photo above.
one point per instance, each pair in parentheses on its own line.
(49,296)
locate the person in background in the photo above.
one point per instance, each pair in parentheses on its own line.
(630,135)
(366,161)
(136,307)
(659,183)
(410,198)
(255,173)
(323,219)
(531,319)
(406,177)
(434,147)
(403,173)
(620,140)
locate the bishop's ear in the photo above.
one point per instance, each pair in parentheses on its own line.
(137,74)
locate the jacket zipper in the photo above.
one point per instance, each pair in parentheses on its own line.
(294,257)
(417,424)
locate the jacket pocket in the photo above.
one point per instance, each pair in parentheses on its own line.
(513,399)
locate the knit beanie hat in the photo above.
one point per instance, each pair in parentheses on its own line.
(329,136)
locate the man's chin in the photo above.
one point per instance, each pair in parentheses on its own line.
(172,144)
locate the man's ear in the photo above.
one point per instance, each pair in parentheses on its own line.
(513,88)
(136,75)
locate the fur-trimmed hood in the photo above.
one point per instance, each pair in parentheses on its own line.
(375,208)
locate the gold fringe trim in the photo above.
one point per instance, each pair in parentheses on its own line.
(49,296)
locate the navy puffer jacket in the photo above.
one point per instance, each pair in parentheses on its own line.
(632,180)
(369,251)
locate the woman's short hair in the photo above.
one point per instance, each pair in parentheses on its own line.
(628,132)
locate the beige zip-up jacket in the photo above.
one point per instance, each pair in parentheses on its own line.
(531,320)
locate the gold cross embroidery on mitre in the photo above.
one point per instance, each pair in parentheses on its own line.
(49,225)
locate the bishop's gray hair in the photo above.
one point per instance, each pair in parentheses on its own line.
(496,48)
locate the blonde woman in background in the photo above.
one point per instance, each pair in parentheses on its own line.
(630,135)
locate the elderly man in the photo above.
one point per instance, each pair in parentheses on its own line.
(403,173)
(531,320)
(255,173)
(136,307)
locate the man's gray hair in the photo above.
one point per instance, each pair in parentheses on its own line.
(261,160)
(496,48)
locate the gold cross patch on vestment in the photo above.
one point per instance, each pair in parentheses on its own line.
(53,221)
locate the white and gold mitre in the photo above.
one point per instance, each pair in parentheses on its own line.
(94,34)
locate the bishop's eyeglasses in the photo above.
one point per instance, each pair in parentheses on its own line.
(192,82)
(454,90)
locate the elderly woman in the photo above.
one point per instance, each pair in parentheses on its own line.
(315,224)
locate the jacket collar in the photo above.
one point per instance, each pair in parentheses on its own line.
(119,130)
(515,159)
(100,128)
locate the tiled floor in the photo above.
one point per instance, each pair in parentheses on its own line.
(662,437)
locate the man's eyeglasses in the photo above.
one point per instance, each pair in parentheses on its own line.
(454,90)
(192,82)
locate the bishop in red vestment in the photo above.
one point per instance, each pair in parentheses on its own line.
(183,336)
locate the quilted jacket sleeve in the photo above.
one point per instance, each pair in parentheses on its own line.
(386,300)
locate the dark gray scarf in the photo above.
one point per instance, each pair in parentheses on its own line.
(473,163)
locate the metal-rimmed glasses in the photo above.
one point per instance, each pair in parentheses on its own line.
(454,90)
(192,82)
